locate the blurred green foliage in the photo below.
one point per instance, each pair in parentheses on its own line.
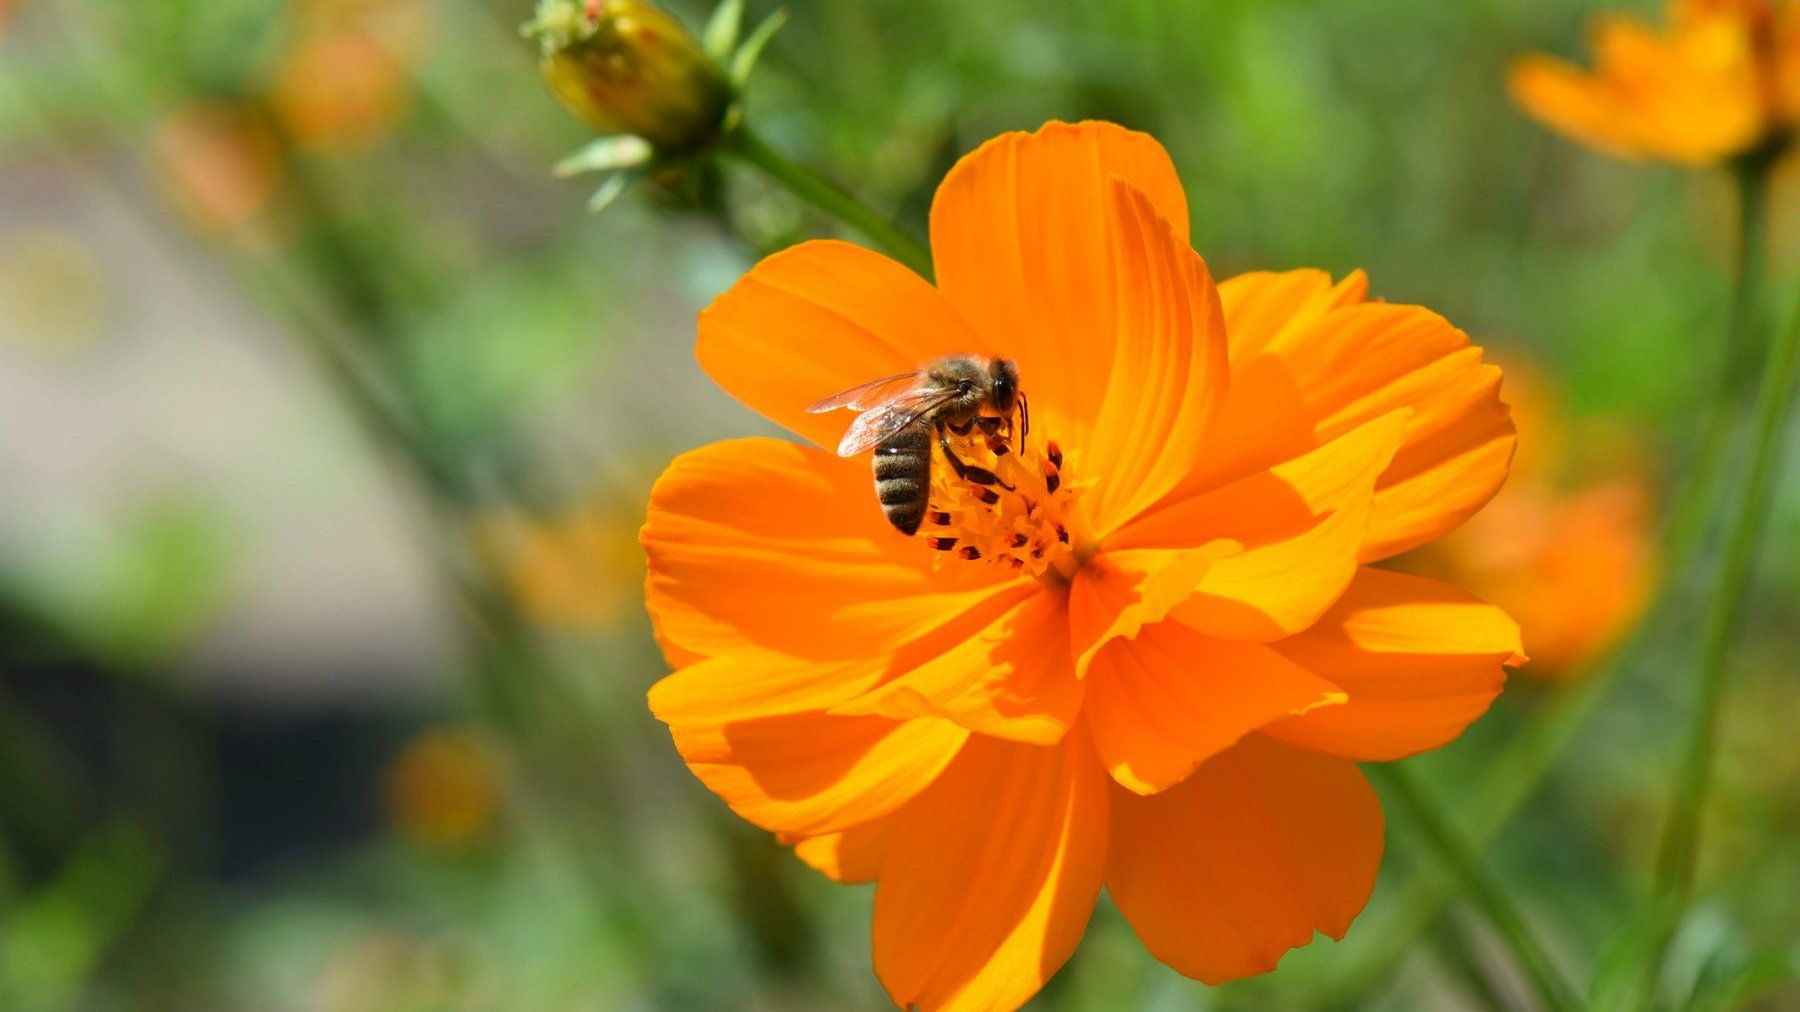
(516,352)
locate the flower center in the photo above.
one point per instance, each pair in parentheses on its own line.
(1006,505)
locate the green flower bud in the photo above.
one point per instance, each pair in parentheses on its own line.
(627,66)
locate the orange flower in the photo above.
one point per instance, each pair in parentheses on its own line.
(1162,668)
(221,162)
(343,82)
(577,572)
(339,90)
(1723,79)
(445,787)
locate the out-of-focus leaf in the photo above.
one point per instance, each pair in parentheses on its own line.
(134,593)
(608,192)
(51,939)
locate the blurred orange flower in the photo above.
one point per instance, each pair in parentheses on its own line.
(1574,563)
(220,160)
(579,572)
(345,79)
(1720,80)
(1168,653)
(445,787)
(341,89)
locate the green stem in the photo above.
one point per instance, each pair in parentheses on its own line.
(1456,954)
(1453,851)
(1754,176)
(1722,621)
(1737,366)
(827,197)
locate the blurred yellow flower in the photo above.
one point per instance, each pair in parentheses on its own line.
(1573,563)
(220,161)
(1720,80)
(381,970)
(445,787)
(54,295)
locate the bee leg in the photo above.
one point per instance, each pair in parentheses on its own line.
(997,444)
(1024,416)
(968,472)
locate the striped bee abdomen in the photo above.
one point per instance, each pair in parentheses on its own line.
(903,477)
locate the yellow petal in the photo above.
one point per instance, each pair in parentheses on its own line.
(1301,523)
(1356,363)
(1419,660)
(754,729)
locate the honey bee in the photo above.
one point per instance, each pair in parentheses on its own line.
(956,394)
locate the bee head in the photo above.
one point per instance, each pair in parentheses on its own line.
(1004,373)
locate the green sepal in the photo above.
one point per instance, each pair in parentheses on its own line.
(745,59)
(609,191)
(721,34)
(606,154)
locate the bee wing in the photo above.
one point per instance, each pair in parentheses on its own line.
(879,424)
(866,396)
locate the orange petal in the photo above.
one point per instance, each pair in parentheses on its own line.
(820,318)
(1264,310)
(1690,93)
(1263,845)
(1357,363)
(759,544)
(1572,102)
(1301,523)
(853,856)
(1162,704)
(1419,659)
(752,727)
(1012,679)
(1118,593)
(1168,373)
(990,876)
(1020,234)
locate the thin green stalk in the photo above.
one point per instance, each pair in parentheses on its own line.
(1489,898)
(827,197)
(1754,176)
(1723,620)
(1737,371)
(1456,954)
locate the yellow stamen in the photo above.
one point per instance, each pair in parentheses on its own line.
(1024,527)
